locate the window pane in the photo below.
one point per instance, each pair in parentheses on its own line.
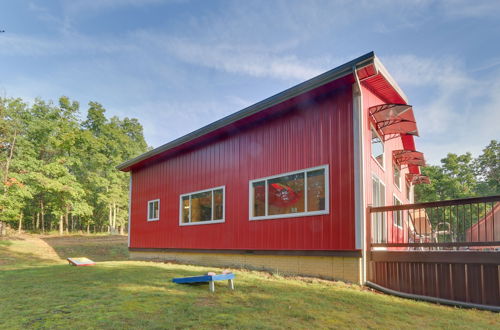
(153,210)
(397,176)
(377,148)
(156,209)
(259,198)
(316,190)
(286,194)
(218,204)
(379,224)
(185,209)
(397,215)
(201,207)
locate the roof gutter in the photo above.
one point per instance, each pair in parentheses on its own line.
(329,76)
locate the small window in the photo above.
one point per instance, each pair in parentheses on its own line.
(154,210)
(202,207)
(397,216)
(293,194)
(377,148)
(397,176)
(408,192)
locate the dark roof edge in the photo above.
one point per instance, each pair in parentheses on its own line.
(287,94)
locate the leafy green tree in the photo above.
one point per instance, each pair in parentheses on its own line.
(60,171)
(455,178)
(488,169)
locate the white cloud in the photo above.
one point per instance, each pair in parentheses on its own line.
(251,60)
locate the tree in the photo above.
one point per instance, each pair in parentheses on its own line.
(59,171)
(455,178)
(488,169)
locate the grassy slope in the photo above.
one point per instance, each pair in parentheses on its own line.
(39,290)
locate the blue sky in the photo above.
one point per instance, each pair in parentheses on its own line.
(178,65)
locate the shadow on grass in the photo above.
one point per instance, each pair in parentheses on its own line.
(10,238)
(97,248)
(13,259)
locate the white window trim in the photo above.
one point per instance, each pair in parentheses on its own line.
(203,222)
(400,175)
(290,215)
(152,201)
(402,214)
(371,148)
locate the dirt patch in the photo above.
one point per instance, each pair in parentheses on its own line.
(78,240)
(207,301)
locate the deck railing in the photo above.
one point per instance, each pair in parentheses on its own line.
(462,224)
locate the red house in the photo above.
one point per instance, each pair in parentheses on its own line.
(283,184)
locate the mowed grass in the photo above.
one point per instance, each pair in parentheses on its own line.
(38,289)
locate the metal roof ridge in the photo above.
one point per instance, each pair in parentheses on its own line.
(317,81)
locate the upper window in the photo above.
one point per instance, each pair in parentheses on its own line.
(397,216)
(397,176)
(377,147)
(154,210)
(202,207)
(287,195)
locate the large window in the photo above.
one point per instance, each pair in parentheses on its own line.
(290,195)
(397,216)
(202,207)
(379,225)
(154,210)
(377,147)
(397,175)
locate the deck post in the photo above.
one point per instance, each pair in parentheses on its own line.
(230,283)
(211,286)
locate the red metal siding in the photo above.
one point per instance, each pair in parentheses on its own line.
(312,133)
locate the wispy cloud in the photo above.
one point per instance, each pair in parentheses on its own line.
(242,59)
(475,9)
(78,7)
(18,44)
(247,59)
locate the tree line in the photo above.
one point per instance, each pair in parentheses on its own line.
(58,170)
(461,176)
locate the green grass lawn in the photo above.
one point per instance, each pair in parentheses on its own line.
(39,290)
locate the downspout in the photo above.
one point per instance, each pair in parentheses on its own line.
(359,173)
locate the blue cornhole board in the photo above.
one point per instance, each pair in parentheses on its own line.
(207,278)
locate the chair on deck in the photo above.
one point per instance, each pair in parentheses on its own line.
(422,231)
